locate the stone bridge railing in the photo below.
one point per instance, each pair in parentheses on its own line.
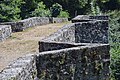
(5,32)
(32,22)
(68,54)
(82,32)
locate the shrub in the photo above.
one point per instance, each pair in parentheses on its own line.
(9,10)
(64,14)
(114,41)
(55,9)
(115,60)
(40,11)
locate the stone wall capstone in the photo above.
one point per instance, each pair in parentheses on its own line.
(99,17)
(5,32)
(85,18)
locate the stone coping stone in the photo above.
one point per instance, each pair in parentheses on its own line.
(85,18)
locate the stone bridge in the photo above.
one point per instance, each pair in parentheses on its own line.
(78,51)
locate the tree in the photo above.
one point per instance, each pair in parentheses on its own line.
(56,9)
(63,14)
(27,7)
(9,10)
(40,11)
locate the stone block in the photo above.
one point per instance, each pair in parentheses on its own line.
(5,32)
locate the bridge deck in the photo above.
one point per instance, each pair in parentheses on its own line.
(25,42)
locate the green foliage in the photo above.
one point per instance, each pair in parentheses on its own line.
(115,43)
(12,10)
(95,6)
(115,60)
(27,7)
(63,14)
(55,9)
(9,10)
(114,26)
(40,11)
(82,3)
(81,6)
(95,10)
(104,1)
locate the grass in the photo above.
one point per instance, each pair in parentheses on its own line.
(21,43)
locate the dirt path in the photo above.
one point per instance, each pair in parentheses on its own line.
(25,42)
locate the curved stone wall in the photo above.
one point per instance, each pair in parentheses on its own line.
(32,22)
(26,23)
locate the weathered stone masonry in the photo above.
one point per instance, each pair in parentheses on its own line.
(57,20)
(32,22)
(65,34)
(24,68)
(5,32)
(82,32)
(63,57)
(26,23)
(79,62)
(91,32)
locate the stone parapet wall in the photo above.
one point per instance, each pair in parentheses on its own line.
(5,32)
(26,23)
(75,52)
(79,59)
(83,62)
(82,32)
(57,61)
(92,32)
(58,20)
(24,68)
(65,34)
(35,21)
(32,22)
